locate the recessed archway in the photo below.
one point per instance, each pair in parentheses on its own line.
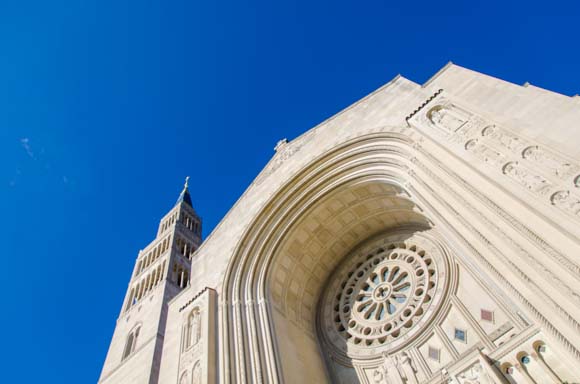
(329,207)
(313,248)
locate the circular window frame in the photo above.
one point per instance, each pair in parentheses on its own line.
(414,247)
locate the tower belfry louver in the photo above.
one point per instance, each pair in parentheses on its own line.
(161,271)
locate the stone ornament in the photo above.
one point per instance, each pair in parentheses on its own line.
(395,370)
(470,144)
(535,168)
(447,118)
(383,295)
(474,375)
(527,178)
(196,355)
(484,153)
(409,371)
(284,151)
(555,165)
(503,139)
(194,329)
(566,201)
(196,373)
(184,378)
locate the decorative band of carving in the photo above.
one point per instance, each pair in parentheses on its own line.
(545,322)
(500,276)
(424,104)
(538,169)
(516,224)
(540,268)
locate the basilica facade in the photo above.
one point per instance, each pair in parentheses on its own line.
(425,234)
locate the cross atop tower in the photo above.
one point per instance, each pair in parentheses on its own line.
(162,270)
(184,196)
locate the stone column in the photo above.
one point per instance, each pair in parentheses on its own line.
(545,368)
(524,374)
(489,369)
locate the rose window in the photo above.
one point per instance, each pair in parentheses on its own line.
(381,293)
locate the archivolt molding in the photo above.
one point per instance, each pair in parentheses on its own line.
(525,231)
(522,229)
(249,351)
(336,224)
(246,276)
(500,276)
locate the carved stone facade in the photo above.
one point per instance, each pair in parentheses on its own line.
(426,234)
(196,347)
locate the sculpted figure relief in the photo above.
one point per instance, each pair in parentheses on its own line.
(448,119)
(396,370)
(485,153)
(532,182)
(406,365)
(564,200)
(390,372)
(552,163)
(195,326)
(502,138)
(474,375)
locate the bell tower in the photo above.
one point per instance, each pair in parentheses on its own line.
(161,271)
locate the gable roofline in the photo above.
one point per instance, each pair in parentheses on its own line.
(439,72)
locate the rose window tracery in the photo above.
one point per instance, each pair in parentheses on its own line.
(382,293)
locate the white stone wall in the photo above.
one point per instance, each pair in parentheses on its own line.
(492,166)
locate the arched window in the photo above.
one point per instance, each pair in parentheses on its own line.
(183,379)
(131,342)
(196,373)
(128,346)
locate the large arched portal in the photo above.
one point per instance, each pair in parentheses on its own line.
(424,235)
(310,254)
(353,194)
(351,274)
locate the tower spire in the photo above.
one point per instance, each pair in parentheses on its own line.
(162,270)
(184,196)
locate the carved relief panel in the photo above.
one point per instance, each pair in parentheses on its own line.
(448,117)
(474,375)
(399,369)
(197,347)
(549,176)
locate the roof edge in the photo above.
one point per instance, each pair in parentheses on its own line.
(439,73)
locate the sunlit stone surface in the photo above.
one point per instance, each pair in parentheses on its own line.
(426,234)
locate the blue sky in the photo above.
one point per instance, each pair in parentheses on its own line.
(105,107)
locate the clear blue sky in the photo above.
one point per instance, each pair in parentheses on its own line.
(105,107)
